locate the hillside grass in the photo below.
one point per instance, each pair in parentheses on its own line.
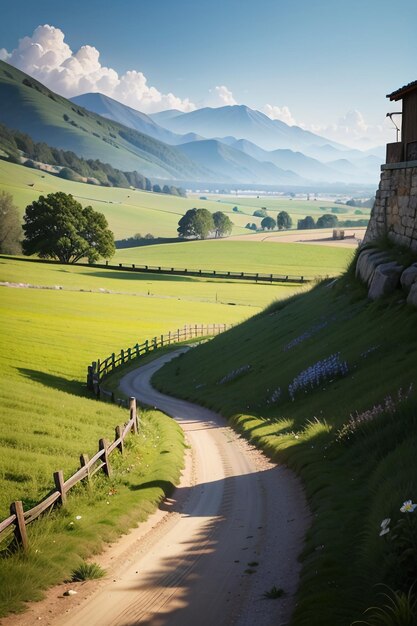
(352,482)
(244,256)
(131,211)
(47,418)
(159,289)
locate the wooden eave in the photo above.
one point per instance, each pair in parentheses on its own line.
(402,91)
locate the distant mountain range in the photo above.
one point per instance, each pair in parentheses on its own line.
(232,144)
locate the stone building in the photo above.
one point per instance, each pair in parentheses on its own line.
(394,211)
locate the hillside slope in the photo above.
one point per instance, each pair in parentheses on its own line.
(30,107)
(322,382)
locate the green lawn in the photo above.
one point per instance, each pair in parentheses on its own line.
(244,256)
(48,337)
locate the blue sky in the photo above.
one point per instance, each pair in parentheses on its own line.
(323,64)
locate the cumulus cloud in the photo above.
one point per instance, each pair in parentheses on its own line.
(279,113)
(353,130)
(224,95)
(46,56)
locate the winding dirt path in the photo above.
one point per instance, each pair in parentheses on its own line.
(231,531)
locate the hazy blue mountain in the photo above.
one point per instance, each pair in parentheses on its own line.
(243,123)
(227,163)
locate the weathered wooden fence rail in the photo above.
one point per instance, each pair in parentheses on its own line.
(100,368)
(18,520)
(158,269)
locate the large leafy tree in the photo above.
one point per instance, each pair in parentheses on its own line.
(284,220)
(222,223)
(327,221)
(197,223)
(268,223)
(57,227)
(10,227)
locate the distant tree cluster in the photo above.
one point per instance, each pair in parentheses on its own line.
(75,168)
(57,227)
(10,228)
(324,221)
(368,204)
(201,224)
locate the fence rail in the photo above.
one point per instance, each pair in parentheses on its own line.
(102,367)
(18,520)
(257,277)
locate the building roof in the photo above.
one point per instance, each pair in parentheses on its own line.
(402,91)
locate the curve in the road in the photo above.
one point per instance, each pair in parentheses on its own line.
(230,533)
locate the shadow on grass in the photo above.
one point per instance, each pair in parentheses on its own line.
(75,387)
(141,276)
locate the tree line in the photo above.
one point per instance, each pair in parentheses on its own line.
(75,168)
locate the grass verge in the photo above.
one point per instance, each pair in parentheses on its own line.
(350,433)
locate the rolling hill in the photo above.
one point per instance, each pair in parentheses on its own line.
(29,106)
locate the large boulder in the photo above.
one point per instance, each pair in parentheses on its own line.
(412,296)
(367,262)
(408,277)
(385,280)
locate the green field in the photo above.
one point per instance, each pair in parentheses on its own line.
(48,337)
(132,211)
(243,256)
(355,475)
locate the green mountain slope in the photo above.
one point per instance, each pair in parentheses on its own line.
(29,106)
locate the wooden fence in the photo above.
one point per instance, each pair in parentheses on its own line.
(102,367)
(19,519)
(256,277)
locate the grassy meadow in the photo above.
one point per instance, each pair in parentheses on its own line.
(48,338)
(351,436)
(244,256)
(132,211)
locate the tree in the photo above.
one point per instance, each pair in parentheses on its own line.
(327,221)
(196,223)
(268,223)
(10,228)
(284,221)
(306,223)
(222,224)
(58,227)
(156,188)
(260,213)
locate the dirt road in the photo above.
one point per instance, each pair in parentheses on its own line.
(232,531)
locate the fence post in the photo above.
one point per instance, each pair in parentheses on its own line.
(16,508)
(129,354)
(113,360)
(119,430)
(178,334)
(90,378)
(122,356)
(147,345)
(102,445)
(162,341)
(137,350)
(169,338)
(133,414)
(84,459)
(59,484)
(155,343)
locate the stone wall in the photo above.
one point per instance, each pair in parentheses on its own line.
(395,209)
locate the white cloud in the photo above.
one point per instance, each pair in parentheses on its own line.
(46,56)
(279,113)
(352,130)
(224,95)
(220,96)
